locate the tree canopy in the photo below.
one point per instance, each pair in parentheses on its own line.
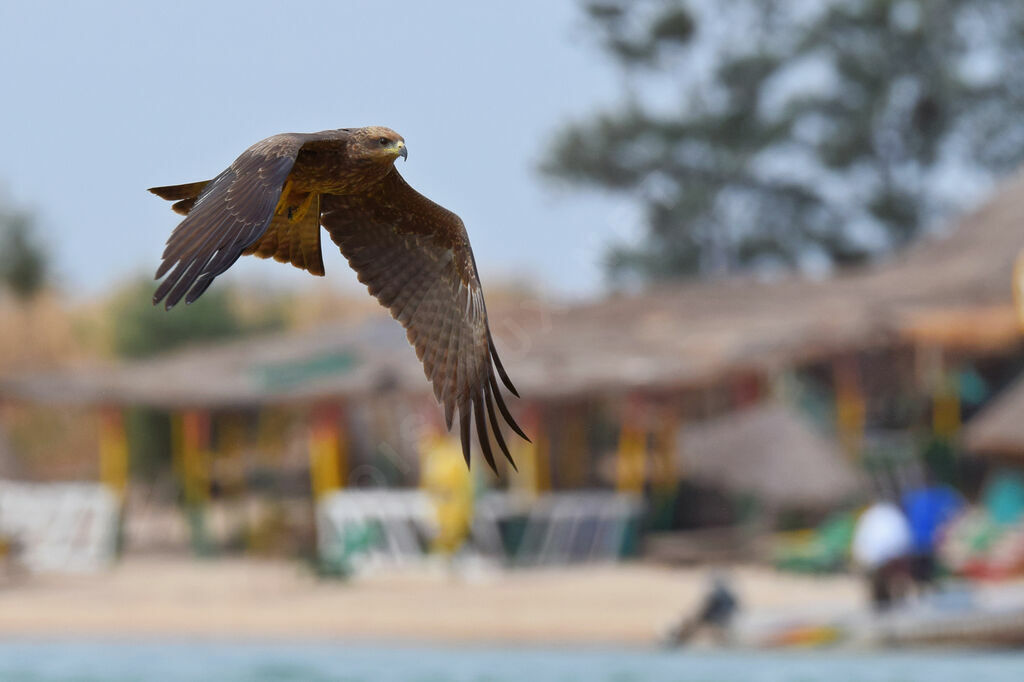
(790,134)
(141,329)
(24,263)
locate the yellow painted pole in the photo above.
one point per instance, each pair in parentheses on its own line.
(449,484)
(526,480)
(113,451)
(631,456)
(325,451)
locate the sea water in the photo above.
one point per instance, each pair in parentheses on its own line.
(124,661)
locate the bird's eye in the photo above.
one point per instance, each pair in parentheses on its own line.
(383,141)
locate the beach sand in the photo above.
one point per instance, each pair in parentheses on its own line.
(625,604)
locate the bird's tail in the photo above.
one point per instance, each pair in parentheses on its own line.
(183,196)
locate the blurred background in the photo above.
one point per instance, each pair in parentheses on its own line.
(753,266)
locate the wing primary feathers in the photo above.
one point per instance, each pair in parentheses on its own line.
(201,285)
(185,252)
(414,257)
(168,283)
(449,414)
(176,252)
(504,409)
(464,418)
(496,427)
(160,272)
(185,282)
(497,363)
(182,242)
(226,257)
(481,432)
(224,217)
(175,286)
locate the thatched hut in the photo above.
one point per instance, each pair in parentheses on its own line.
(330,361)
(997,432)
(772,454)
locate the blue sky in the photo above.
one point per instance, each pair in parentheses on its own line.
(102,100)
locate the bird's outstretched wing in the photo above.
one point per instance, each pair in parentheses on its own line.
(230,214)
(414,257)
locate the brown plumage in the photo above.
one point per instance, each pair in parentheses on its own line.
(413,255)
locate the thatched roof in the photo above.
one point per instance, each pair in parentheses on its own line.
(771,453)
(956,288)
(950,291)
(998,430)
(332,360)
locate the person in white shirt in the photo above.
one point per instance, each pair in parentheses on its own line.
(882,545)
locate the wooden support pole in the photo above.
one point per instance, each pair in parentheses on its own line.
(113,450)
(946,414)
(326,451)
(851,411)
(575,446)
(664,469)
(195,456)
(533,459)
(631,457)
(449,485)
(230,449)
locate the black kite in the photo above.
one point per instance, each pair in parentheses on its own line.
(413,255)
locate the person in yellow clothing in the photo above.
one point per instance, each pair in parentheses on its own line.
(450,486)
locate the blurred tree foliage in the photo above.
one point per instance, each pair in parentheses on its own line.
(24,263)
(141,329)
(796,134)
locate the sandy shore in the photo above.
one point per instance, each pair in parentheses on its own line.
(626,604)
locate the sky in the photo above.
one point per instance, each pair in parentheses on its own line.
(101,100)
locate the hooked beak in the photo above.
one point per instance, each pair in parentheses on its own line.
(403,151)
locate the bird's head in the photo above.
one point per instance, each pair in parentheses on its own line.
(380,144)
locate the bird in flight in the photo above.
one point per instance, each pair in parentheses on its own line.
(412,254)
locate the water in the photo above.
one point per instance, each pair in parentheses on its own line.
(55,661)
